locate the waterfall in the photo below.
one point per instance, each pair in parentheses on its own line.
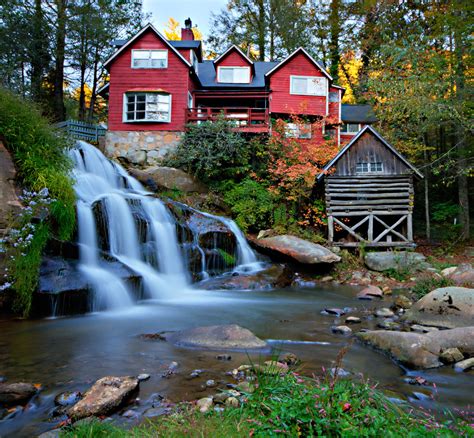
(117,216)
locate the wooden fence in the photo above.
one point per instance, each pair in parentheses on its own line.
(82,130)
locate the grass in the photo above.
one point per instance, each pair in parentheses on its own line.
(294,406)
(41,161)
(425,285)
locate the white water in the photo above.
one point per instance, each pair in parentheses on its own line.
(101,181)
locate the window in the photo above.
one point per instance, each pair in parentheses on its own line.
(294,130)
(234,75)
(365,167)
(147,107)
(330,133)
(308,85)
(190,100)
(194,60)
(149,58)
(334,96)
(350,128)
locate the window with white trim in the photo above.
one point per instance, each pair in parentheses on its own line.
(194,60)
(308,85)
(233,75)
(334,96)
(365,167)
(295,130)
(350,128)
(190,100)
(147,107)
(149,58)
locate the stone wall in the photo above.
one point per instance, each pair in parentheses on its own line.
(142,148)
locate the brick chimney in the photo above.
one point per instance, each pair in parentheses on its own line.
(187,31)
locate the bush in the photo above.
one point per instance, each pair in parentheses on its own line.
(250,202)
(39,154)
(425,285)
(212,152)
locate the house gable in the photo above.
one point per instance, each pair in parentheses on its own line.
(233,57)
(368,146)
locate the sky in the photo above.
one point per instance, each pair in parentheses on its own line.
(198,10)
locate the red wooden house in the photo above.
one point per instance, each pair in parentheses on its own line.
(158,86)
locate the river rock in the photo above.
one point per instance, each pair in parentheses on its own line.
(276,276)
(341,330)
(423,328)
(12,394)
(233,402)
(402,302)
(204,404)
(420,350)
(293,248)
(353,320)
(384,312)
(448,271)
(104,397)
(143,377)
(369,293)
(451,355)
(464,365)
(67,398)
(463,275)
(221,337)
(168,178)
(388,324)
(444,307)
(383,261)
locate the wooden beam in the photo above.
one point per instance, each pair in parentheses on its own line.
(352,233)
(390,229)
(330,228)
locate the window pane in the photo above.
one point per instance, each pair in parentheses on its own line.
(130,115)
(158,63)
(316,86)
(241,75)
(305,131)
(362,167)
(140,97)
(140,115)
(163,98)
(291,130)
(333,96)
(152,98)
(352,127)
(158,54)
(226,75)
(299,85)
(376,167)
(141,106)
(141,54)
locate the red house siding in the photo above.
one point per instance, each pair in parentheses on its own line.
(234,59)
(174,79)
(334,107)
(281,101)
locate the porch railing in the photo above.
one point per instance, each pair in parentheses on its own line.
(243,117)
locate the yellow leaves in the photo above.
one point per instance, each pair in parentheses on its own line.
(173,31)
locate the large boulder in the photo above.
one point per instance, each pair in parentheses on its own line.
(444,307)
(400,261)
(220,337)
(293,248)
(276,276)
(167,178)
(13,394)
(104,397)
(463,275)
(9,201)
(416,350)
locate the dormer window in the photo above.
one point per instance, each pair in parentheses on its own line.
(366,167)
(194,60)
(149,58)
(308,85)
(334,96)
(233,75)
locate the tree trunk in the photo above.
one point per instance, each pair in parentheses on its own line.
(95,79)
(335,30)
(261,30)
(37,49)
(58,93)
(427,196)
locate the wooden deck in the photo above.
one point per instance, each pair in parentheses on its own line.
(255,120)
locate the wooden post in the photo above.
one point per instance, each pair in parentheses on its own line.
(370,235)
(410,227)
(330,228)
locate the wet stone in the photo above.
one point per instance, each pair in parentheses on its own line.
(341,372)
(130,414)
(333,311)
(143,377)
(223,357)
(211,383)
(341,330)
(464,365)
(353,320)
(384,312)
(204,404)
(67,398)
(451,355)
(423,328)
(389,324)
(156,412)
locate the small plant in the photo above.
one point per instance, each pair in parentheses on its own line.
(229,259)
(427,284)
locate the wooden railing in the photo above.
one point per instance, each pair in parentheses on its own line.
(244,118)
(82,130)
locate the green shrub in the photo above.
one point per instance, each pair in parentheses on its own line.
(39,154)
(212,152)
(425,285)
(250,202)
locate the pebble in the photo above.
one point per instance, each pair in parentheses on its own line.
(220,398)
(402,302)
(173,365)
(246,387)
(223,357)
(333,311)
(451,355)
(204,404)
(423,328)
(143,377)
(219,409)
(327,278)
(341,372)
(156,412)
(369,293)
(389,325)
(67,398)
(211,383)
(384,312)
(464,365)
(353,320)
(341,330)
(290,359)
(233,402)
(130,414)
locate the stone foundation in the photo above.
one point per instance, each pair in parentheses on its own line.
(142,148)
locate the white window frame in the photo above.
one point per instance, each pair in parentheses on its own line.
(368,167)
(350,132)
(293,130)
(194,60)
(145,120)
(229,67)
(324,86)
(190,100)
(149,66)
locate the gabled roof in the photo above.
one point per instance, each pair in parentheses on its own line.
(233,47)
(149,26)
(300,50)
(368,128)
(207,76)
(357,113)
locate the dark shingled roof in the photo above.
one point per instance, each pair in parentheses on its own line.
(187,44)
(207,75)
(357,113)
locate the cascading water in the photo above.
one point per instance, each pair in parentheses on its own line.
(138,230)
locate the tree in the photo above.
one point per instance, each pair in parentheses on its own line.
(173,31)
